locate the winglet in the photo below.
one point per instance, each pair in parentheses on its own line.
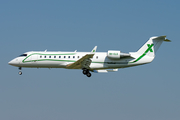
(94,49)
(167,40)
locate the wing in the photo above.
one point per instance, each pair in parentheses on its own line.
(84,62)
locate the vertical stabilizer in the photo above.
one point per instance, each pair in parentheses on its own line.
(147,52)
(151,46)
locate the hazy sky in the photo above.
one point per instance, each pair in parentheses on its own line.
(147,92)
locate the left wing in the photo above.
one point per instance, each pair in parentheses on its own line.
(84,62)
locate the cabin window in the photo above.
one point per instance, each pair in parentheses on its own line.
(68,56)
(54,56)
(73,56)
(23,55)
(78,57)
(49,56)
(40,56)
(59,56)
(44,56)
(96,57)
(64,56)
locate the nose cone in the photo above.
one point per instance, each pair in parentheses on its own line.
(14,62)
(10,63)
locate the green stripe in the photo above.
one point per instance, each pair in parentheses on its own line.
(24,61)
(50,60)
(56,60)
(140,57)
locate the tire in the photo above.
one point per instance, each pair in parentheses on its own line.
(88,74)
(20,73)
(84,72)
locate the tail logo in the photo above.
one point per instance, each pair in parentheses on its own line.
(149,47)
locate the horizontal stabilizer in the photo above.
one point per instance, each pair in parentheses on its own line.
(162,37)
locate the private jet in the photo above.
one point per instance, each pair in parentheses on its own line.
(97,62)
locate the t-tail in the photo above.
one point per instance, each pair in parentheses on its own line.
(147,52)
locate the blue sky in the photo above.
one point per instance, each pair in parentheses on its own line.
(148,92)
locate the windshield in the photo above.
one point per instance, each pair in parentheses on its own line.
(23,55)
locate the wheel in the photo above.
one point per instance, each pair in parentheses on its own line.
(88,74)
(85,71)
(20,73)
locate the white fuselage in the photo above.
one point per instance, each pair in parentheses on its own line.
(90,61)
(62,59)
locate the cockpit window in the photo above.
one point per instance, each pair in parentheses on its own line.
(24,55)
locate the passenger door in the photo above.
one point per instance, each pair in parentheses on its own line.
(34,58)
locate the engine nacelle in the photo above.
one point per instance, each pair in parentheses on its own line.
(114,54)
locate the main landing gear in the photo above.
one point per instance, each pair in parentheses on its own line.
(20,72)
(86,72)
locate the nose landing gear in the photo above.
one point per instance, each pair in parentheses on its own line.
(86,72)
(20,72)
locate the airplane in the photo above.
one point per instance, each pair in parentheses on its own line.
(97,62)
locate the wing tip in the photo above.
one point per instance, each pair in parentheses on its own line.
(94,49)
